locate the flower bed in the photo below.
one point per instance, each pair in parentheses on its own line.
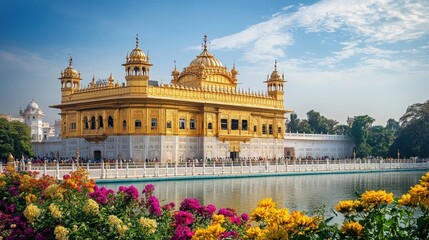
(75,208)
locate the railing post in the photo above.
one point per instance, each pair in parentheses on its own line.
(204,167)
(232,167)
(126,170)
(44,167)
(102,169)
(57,170)
(73,166)
(87,167)
(285,162)
(277,165)
(156,168)
(166,169)
(144,169)
(214,167)
(223,166)
(186,167)
(241,166)
(29,166)
(193,166)
(116,168)
(250,165)
(175,168)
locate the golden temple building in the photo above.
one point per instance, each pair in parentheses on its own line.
(200,114)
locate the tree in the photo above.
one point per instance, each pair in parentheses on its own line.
(319,123)
(412,138)
(14,138)
(360,132)
(292,125)
(304,127)
(392,124)
(342,129)
(380,139)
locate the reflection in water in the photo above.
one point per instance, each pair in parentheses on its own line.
(306,192)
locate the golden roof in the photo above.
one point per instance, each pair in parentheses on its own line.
(205,58)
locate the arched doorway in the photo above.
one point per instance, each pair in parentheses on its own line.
(97,155)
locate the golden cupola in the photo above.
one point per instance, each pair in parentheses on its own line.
(137,67)
(205,71)
(275,84)
(70,79)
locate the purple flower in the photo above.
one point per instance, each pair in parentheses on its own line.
(14,191)
(227,212)
(154,207)
(169,206)
(100,195)
(190,204)
(132,192)
(229,234)
(235,220)
(182,233)
(207,210)
(183,218)
(148,189)
(245,217)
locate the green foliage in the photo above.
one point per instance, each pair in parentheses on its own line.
(292,125)
(315,123)
(380,139)
(412,138)
(14,138)
(360,132)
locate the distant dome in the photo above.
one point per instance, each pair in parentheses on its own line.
(207,59)
(32,108)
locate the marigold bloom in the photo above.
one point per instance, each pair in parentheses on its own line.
(121,229)
(352,229)
(348,206)
(373,198)
(267,203)
(30,198)
(54,192)
(218,219)
(32,212)
(148,224)
(55,211)
(91,207)
(114,220)
(405,200)
(75,228)
(212,232)
(254,233)
(61,232)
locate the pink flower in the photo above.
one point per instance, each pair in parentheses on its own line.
(245,217)
(154,207)
(182,233)
(207,210)
(169,206)
(227,212)
(148,189)
(132,192)
(100,195)
(190,204)
(183,218)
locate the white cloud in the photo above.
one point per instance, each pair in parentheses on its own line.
(369,22)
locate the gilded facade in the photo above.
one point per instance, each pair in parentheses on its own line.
(200,114)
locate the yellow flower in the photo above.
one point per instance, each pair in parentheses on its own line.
(121,229)
(405,200)
(30,198)
(91,207)
(61,233)
(254,233)
(54,192)
(348,206)
(352,229)
(55,211)
(2,184)
(212,232)
(371,199)
(114,220)
(75,228)
(148,224)
(32,212)
(267,203)
(218,219)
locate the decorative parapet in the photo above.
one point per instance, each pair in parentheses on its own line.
(312,136)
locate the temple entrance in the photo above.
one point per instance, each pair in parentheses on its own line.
(289,153)
(97,156)
(234,155)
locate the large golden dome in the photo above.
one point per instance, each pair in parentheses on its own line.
(70,72)
(206,59)
(137,55)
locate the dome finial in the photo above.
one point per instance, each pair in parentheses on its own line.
(205,42)
(137,40)
(175,65)
(275,65)
(70,60)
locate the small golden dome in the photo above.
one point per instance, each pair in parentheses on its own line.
(275,74)
(137,55)
(70,72)
(10,158)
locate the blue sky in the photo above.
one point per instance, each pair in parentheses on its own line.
(341,58)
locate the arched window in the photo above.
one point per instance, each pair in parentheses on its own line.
(138,124)
(124,125)
(110,122)
(129,71)
(100,122)
(93,122)
(136,71)
(85,123)
(144,71)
